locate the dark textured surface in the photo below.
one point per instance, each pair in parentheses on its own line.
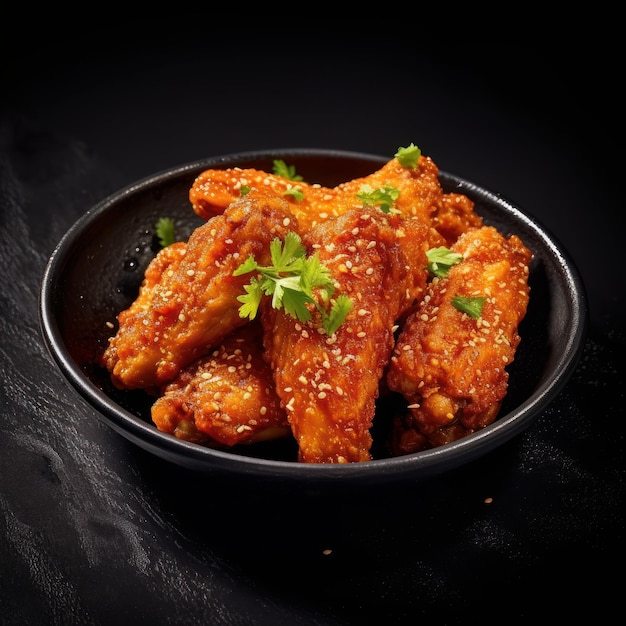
(94,530)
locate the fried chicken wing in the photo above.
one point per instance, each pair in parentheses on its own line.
(450,367)
(421,195)
(328,384)
(224,398)
(188,300)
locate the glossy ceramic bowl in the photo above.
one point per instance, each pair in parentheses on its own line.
(96,269)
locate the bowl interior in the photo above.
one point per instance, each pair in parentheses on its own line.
(97,268)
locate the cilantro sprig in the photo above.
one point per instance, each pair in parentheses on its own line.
(291,281)
(164,229)
(280,168)
(383,197)
(408,156)
(472,306)
(295,193)
(441,259)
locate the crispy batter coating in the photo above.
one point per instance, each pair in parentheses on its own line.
(329,384)
(450,367)
(414,238)
(224,398)
(421,195)
(188,302)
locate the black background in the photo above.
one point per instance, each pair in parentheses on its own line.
(96,531)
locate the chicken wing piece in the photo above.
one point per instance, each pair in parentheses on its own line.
(226,397)
(328,384)
(181,312)
(214,189)
(421,195)
(450,367)
(414,238)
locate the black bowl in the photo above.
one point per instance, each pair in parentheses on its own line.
(96,269)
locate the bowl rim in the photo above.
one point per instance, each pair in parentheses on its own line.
(425,463)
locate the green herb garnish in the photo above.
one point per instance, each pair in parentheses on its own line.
(472,306)
(280,168)
(441,259)
(383,197)
(295,193)
(408,156)
(290,281)
(165,231)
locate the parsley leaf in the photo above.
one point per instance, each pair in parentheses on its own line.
(472,306)
(291,281)
(280,168)
(441,259)
(165,231)
(384,196)
(409,156)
